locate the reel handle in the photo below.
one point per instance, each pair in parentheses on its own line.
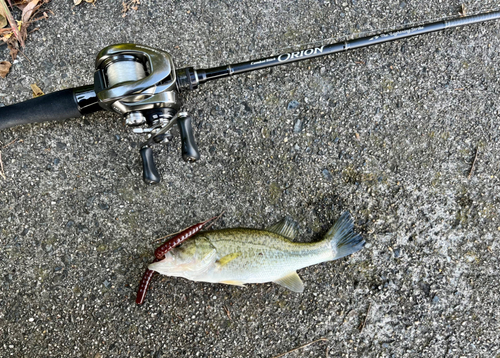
(189,147)
(149,172)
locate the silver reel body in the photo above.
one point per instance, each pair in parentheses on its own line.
(140,83)
(131,79)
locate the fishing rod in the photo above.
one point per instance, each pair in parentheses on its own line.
(142,84)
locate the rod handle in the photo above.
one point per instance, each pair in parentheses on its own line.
(56,106)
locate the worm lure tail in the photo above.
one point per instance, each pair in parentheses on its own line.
(143,286)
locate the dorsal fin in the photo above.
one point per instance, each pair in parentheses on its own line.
(285,227)
(291,281)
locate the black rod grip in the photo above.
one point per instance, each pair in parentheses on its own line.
(149,173)
(54,106)
(189,148)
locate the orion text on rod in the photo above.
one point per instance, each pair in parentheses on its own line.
(303,53)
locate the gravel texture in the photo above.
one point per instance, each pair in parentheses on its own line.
(389,133)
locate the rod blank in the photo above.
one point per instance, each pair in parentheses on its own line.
(204,75)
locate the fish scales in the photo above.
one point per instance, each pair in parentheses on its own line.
(240,256)
(264,255)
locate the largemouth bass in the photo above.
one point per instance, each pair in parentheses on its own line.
(239,256)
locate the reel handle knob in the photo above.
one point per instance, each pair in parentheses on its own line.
(149,172)
(190,151)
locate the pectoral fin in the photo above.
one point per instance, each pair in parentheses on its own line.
(291,281)
(233,282)
(228,258)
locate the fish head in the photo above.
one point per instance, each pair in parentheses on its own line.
(189,259)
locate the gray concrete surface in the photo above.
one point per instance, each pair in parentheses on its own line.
(388,133)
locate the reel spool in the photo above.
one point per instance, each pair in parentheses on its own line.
(125,68)
(140,83)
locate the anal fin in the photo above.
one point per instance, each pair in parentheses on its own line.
(291,281)
(233,282)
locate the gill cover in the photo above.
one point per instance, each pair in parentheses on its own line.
(188,260)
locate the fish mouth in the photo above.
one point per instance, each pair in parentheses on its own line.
(167,263)
(171,266)
(188,266)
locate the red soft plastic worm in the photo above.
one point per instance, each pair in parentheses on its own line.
(160,254)
(143,286)
(181,237)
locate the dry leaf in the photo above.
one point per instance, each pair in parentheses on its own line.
(463,10)
(12,22)
(78,2)
(4,68)
(129,5)
(37,92)
(28,10)
(3,21)
(21,5)
(3,18)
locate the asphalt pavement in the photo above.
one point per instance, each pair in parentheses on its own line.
(405,136)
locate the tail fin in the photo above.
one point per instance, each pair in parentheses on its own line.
(344,241)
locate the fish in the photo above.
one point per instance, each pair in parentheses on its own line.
(239,256)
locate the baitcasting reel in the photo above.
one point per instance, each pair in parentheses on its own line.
(141,84)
